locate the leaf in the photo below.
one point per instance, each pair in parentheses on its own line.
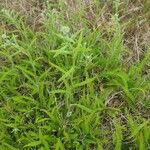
(84,82)
(33,144)
(57,67)
(4,75)
(50,114)
(59,145)
(42,120)
(82,107)
(28,74)
(117,136)
(66,74)
(58,91)
(65,38)
(144,61)
(61,51)
(141,142)
(10,147)
(138,128)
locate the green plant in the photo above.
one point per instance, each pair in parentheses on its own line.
(68,87)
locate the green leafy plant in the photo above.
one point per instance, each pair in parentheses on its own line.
(67,84)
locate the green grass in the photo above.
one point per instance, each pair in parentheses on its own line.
(67,86)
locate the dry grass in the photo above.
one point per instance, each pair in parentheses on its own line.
(135,17)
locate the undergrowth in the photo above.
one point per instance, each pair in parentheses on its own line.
(66,87)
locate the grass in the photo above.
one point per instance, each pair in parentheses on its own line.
(69,83)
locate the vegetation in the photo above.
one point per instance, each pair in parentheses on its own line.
(76,78)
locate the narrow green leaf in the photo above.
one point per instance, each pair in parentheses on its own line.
(67,74)
(33,144)
(82,107)
(87,81)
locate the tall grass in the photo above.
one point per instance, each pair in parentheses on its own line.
(67,87)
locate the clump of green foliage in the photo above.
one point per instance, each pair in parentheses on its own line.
(66,87)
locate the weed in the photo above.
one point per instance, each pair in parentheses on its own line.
(68,87)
